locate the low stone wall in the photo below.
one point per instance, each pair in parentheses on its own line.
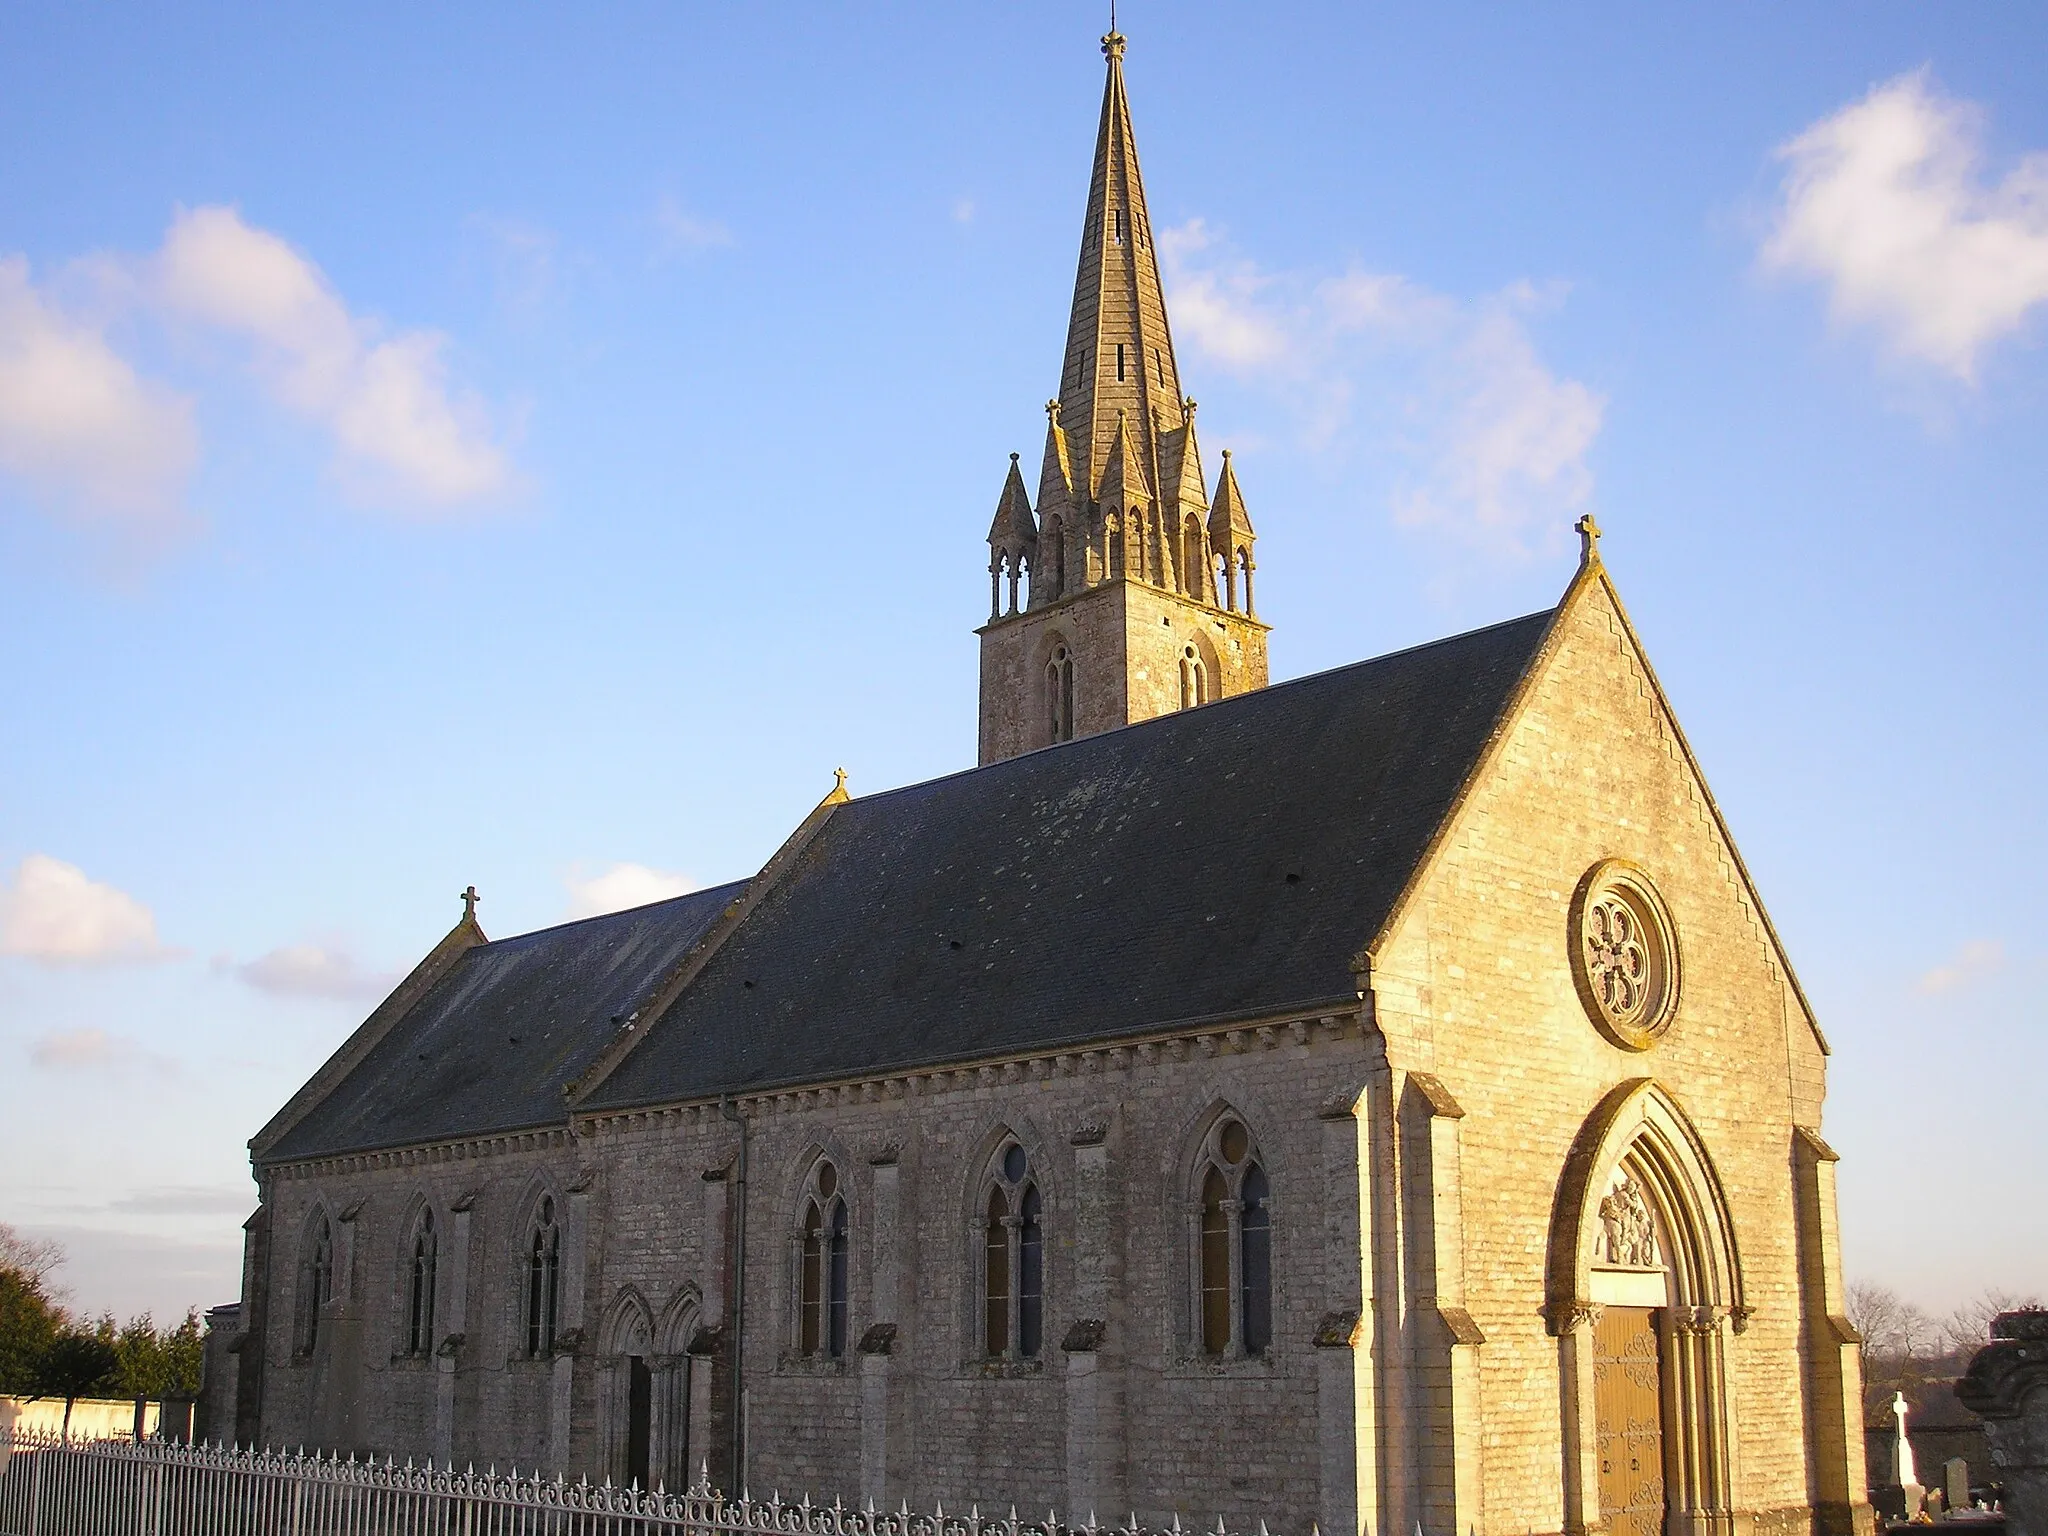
(92,1418)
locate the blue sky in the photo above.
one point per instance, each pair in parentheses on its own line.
(536,447)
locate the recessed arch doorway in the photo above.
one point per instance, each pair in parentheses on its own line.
(1645,1285)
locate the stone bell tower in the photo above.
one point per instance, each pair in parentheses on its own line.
(1127,593)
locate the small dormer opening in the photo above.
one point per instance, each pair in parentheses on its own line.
(1119,226)
(1119,362)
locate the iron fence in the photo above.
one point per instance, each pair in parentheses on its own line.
(50,1486)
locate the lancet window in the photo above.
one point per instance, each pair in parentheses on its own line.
(543,1280)
(419,1287)
(1234,1260)
(1194,678)
(316,1281)
(822,1251)
(1059,694)
(1012,1258)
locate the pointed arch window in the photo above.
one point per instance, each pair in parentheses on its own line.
(543,1280)
(1234,1244)
(1194,677)
(419,1287)
(1012,1258)
(822,1251)
(316,1281)
(1059,694)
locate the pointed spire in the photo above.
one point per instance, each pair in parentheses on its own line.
(1123,470)
(1229,524)
(1014,531)
(1056,475)
(1119,353)
(1231,536)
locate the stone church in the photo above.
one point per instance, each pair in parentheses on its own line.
(1377,1099)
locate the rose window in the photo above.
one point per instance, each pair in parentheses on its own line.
(1625,957)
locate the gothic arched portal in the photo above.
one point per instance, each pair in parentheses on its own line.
(1644,1282)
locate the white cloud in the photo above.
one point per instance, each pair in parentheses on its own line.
(94,1050)
(1975,959)
(77,422)
(1886,204)
(1490,444)
(963,210)
(52,912)
(386,399)
(314,970)
(679,232)
(623,886)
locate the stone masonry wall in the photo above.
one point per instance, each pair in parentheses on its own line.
(1164,1430)
(1127,638)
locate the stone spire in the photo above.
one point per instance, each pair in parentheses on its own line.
(1139,584)
(1119,356)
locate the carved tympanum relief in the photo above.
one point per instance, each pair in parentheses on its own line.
(1624,954)
(1628,1233)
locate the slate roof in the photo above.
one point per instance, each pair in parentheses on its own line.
(490,1046)
(1225,861)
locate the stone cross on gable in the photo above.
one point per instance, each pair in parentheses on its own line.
(469,901)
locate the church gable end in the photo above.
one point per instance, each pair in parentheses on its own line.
(1474,983)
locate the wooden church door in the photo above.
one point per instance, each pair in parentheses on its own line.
(1629,1400)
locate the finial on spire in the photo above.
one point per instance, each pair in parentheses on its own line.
(1189,405)
(1013,458)
(469,901)
(1112,40)
(1226,453)
(1589,540)
(1052,410)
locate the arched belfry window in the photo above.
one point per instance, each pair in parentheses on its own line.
(1052,544)
(419,1287)
(1059,694)
(316,1280)
(1234,1257)
(822,1265)
(543,1280)
(1012,1258)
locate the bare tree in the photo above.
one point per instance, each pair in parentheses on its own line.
(34,1257)
(1968,1328)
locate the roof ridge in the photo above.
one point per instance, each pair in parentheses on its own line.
(599,917)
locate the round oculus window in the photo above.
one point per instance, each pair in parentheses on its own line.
(1624,954)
